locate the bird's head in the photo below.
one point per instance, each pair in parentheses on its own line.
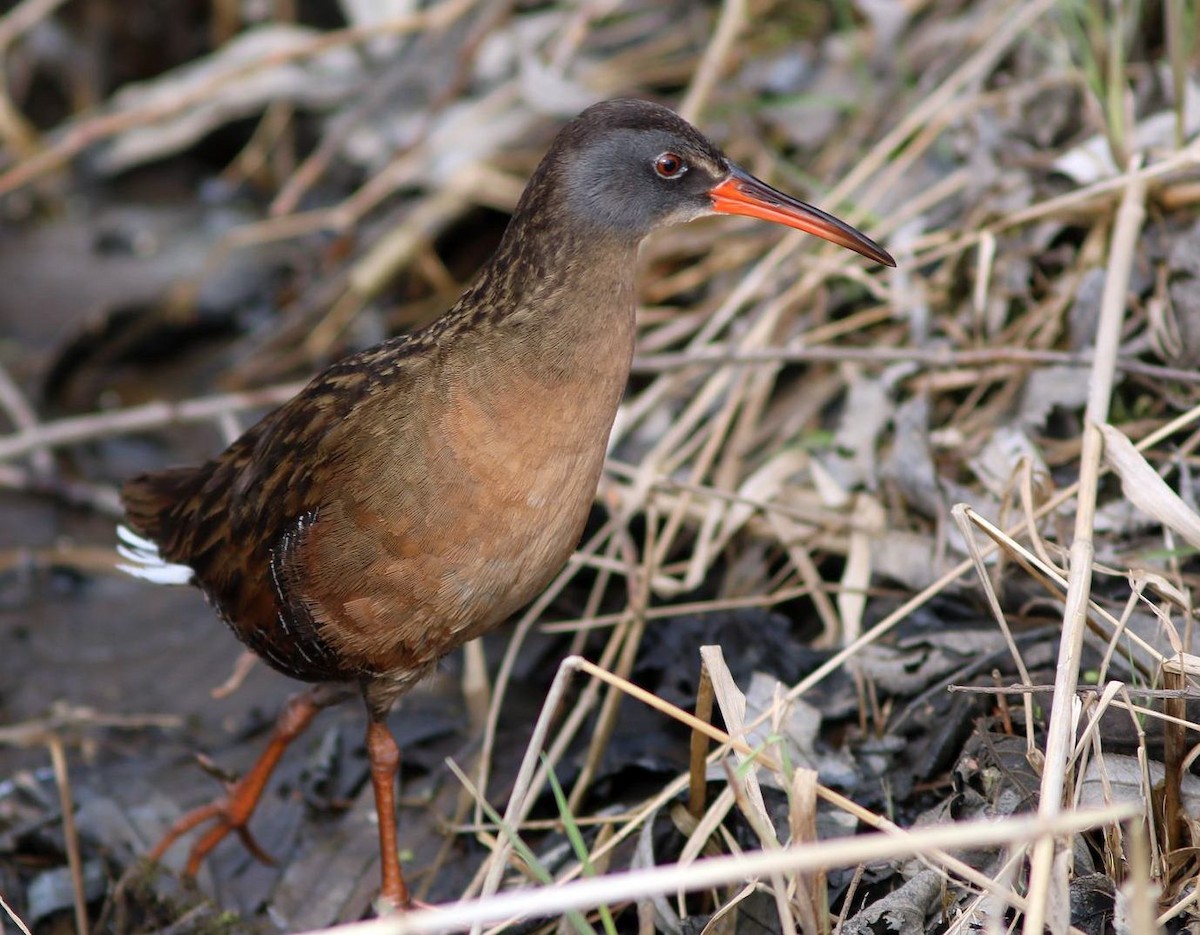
(627,167)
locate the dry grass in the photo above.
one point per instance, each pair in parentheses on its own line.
(802,427)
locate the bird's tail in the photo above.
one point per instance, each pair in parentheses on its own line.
(148,498)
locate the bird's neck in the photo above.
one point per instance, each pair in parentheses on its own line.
(557,294)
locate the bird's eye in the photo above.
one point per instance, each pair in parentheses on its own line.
(670,166)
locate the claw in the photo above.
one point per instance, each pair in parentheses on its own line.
(257,851)
(214,769)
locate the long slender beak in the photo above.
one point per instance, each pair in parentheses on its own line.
(742,193)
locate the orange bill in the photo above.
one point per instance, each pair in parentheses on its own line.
(742,193)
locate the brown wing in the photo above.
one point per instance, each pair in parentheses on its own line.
(240,520)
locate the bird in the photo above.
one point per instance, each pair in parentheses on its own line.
(417,493)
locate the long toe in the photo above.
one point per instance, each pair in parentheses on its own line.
(228,814)
(192,819)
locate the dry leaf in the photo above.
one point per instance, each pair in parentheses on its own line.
(1147,491)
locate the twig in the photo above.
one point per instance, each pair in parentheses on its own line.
(928,356)
(100,497)
(1060,733)
(70,834)
(1082,690)
(13,402)
(66,718)
(16,919)
(23,17)
(242,666)
(140,418)
(962,520)
(729,24)
(698,783)
(842,852)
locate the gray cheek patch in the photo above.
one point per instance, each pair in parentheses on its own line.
(612,183)
(600,187)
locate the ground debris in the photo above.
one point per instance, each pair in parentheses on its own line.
(864,493)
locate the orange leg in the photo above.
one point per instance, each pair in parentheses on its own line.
(384,755)
(233,810)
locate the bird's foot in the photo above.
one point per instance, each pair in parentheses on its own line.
(230,813)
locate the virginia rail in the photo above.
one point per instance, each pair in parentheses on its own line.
(416,494)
